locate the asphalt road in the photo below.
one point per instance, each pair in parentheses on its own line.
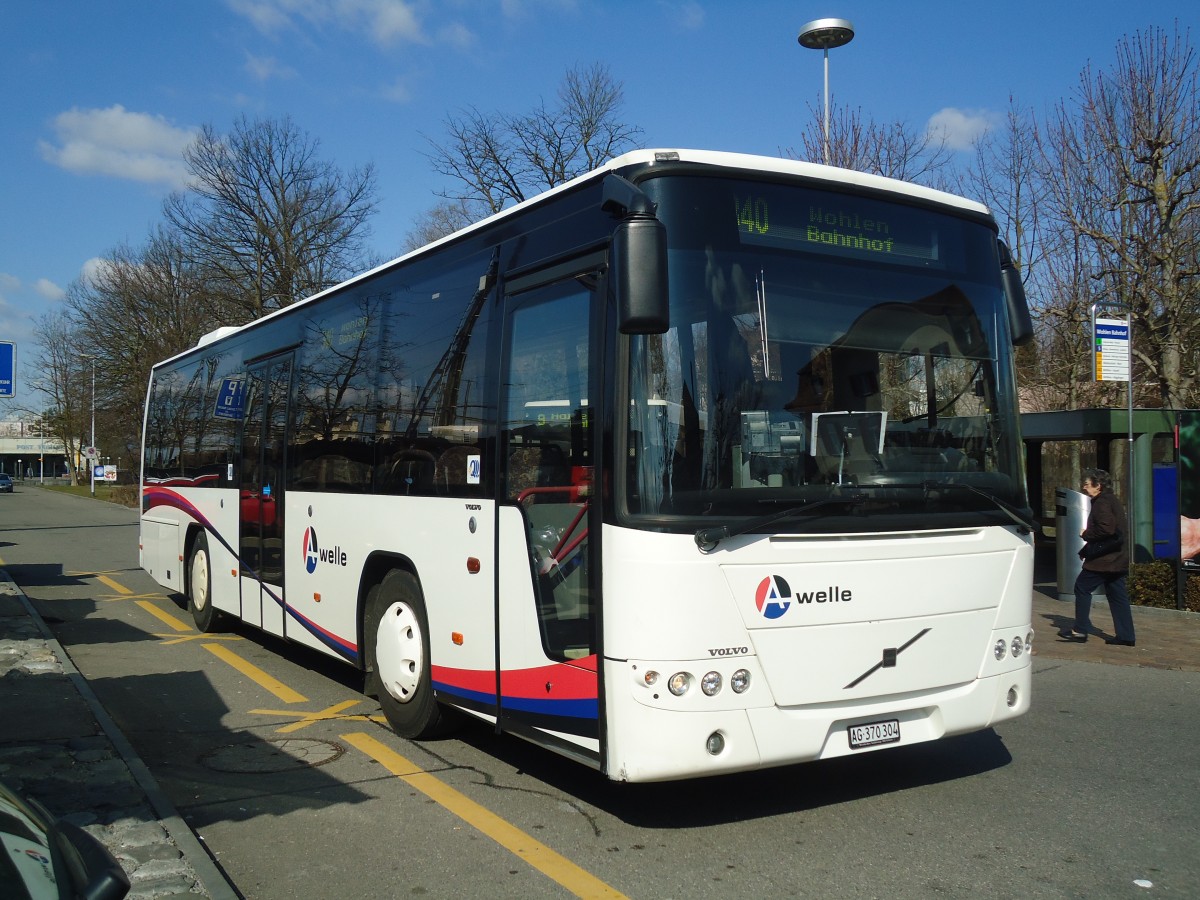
(272,756)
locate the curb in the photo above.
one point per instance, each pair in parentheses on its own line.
(190,846)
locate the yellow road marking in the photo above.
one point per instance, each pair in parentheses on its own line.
(578,881)
(128,596)
(164,616)
(168,639)
(306,719)
(119,588)
(255,674)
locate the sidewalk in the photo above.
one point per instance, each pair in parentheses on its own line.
(58,745)
(1166,638)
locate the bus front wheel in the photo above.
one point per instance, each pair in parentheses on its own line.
(200,603)
(397,638)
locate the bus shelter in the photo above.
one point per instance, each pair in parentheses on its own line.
(1059,444)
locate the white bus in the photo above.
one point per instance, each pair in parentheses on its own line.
(699,463)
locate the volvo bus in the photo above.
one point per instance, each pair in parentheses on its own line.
(699,463)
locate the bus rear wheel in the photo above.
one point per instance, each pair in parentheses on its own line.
(400,675)
(199,583)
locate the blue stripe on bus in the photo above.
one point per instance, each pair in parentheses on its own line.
(574,709)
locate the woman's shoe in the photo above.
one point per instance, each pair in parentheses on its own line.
(1070,634)
(1119,642)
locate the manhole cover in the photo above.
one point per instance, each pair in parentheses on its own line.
(272,756)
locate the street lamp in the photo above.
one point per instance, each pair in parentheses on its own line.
(821,34)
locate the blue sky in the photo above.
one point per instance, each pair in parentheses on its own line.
(99,98)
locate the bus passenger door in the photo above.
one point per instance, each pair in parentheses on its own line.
(261,493)
(546,623)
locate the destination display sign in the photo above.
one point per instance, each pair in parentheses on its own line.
(839,226)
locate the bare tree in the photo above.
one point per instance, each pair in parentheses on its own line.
(1007,176)
(138,307)
(62,382)
(445,218)
(1123,164)
(270,221)
(892,149)
(496,159)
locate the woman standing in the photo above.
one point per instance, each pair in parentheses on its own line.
(1105,562)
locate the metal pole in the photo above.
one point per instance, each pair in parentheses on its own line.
(826,106)
(92,462)
(1132,480)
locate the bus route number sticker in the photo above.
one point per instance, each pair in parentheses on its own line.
(473,468)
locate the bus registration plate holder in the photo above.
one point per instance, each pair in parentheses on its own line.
(872,734)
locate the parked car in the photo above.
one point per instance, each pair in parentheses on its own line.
(45,858)
(6,485)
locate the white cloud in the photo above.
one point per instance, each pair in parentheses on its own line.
(521,9)
(961,127)
(264,68)
(9,283)
(384,21)
(457,35)
(92,269)
(48,289)
(114,141)
(397,92)
(687,15)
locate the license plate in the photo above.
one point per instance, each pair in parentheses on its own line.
(872,734)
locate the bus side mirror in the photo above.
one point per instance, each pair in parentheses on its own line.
(639,259)
(1019,320)
(639,266)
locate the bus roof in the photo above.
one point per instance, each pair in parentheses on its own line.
(717,159)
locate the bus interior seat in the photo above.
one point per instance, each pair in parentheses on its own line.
(450,471)
(410,472)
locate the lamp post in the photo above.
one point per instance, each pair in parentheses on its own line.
(92,445)
(821,34)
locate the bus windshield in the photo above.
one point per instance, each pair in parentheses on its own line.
(823,345)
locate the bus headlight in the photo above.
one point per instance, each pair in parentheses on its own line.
(1001,648)
(1017,647)
(739,681)
(711,683)
(679,683)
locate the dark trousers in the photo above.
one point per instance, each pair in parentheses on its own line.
(1118,601)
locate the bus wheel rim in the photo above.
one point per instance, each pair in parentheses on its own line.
(200,580)
(399,652)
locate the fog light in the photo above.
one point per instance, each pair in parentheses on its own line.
(739,681)
(679,683)
(1012,697)
(710,683)
(1017,647)
(715,743)
(1001,648)
(651,678)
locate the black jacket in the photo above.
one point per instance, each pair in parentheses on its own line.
(1105,519)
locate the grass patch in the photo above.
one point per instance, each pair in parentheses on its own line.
(121,494)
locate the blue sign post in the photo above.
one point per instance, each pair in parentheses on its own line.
(8,368)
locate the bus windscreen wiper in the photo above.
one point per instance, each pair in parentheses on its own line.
(708,538)
(1027,523)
